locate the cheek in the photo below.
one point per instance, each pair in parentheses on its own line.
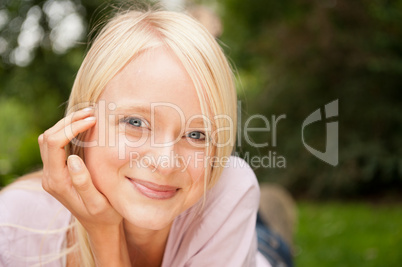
(102,158)
(195,165)
(126,149)
(196,191)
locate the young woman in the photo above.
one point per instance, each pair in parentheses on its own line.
(139,171)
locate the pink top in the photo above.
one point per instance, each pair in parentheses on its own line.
(33,225)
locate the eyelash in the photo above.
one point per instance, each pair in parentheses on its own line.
(202,139)
(144,124)
(128,120)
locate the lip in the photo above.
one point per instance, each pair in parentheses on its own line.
(152,190)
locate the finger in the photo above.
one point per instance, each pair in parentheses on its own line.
(41,148)
(68,133)
(73,117)
(56,177)
(55,146)
(43,156)
(93,200)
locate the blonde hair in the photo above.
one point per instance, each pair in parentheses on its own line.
(127,35)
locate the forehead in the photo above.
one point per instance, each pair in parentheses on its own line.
(155,76)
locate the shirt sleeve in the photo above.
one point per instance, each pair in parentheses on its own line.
(4,243)
(32,226)
(223,234)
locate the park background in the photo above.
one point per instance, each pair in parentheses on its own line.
(291,58)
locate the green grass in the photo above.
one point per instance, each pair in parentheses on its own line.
(348,234)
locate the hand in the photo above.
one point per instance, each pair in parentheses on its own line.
(71,183)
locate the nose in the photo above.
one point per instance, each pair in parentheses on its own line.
(164,158)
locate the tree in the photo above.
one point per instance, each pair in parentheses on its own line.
(296,56)
(41,46)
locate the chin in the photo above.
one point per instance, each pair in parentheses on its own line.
(151,224)
(150,220)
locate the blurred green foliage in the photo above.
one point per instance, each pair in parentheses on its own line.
(296,56)
(348,234)
(292,57)
(33,94)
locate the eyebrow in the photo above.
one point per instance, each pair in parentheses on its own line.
(201,123)
(134,108)
(146,109)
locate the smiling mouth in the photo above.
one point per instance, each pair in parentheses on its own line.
(152,190)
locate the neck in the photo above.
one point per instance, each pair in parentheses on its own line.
(146,247)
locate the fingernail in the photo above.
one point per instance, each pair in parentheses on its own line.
(74,163)
(88,109)
(90,119)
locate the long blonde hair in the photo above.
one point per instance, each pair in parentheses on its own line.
(128,34)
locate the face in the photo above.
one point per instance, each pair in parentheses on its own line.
(149,160)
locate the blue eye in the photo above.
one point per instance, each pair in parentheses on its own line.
(135,122)
(199,136)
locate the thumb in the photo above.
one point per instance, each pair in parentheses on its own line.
(93,200)
(80,176)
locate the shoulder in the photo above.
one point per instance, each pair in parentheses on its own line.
(237,171)
(206,234)
(24,200)
(237,183)
(32,222)
(237,189)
